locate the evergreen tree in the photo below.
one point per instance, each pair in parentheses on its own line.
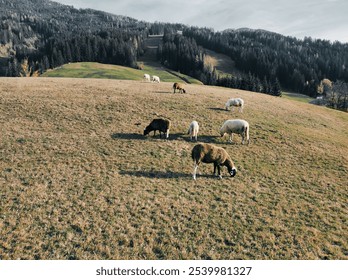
(276,90)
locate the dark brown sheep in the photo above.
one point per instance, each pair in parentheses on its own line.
(180,87)
(161,125)
(209,153)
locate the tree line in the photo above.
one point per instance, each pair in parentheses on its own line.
(116,47)
(183,54)
(295,63)
(39,34)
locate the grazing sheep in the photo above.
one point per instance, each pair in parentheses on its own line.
(235,102)
(236,126)
(147,77)
(193,130)
(180,87)
(161,125)
(155,79)
(209,153)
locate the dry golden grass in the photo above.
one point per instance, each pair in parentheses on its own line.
(78,180)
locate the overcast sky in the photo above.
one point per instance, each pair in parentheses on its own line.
(321,19)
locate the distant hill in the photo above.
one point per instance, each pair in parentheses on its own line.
(24,23)
(37,35)
(42,34)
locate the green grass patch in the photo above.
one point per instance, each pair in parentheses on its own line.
(106,71)
(297,97)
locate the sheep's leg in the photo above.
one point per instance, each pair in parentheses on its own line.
(219,171)
(231,138)
(215,166)
(195,166)
(167,134)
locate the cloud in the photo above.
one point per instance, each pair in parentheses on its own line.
(316,18)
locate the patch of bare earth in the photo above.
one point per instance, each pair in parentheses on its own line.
(78,180)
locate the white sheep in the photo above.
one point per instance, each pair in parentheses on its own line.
(235,102)
(147,77)
(236,126)
(155,79)
(193,130)
(208,153)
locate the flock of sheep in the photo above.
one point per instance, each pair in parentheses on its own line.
(156,79)
(148,78)
(203,152)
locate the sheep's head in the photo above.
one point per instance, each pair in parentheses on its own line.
(230,167)
(233,172)
(146,131)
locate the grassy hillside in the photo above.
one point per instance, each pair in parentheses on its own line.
(224,64)
(78,179)
(297,97)
(107,71)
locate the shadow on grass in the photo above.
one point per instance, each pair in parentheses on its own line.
(217,109)
(164,175)
(139,136)
(129,136)
(208,139)
(156,174)
(173,136)
(200,138)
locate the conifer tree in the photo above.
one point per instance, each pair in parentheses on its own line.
(276,90)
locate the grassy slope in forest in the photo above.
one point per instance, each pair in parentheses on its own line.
(78,179)
(226,66)
(223,64)
(108,71)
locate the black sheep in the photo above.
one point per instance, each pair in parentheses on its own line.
(161,125)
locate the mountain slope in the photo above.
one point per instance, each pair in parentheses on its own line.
(107,71)
(37,35)
(49,34)
(80,181)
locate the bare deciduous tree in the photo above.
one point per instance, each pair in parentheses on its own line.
(337,98)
